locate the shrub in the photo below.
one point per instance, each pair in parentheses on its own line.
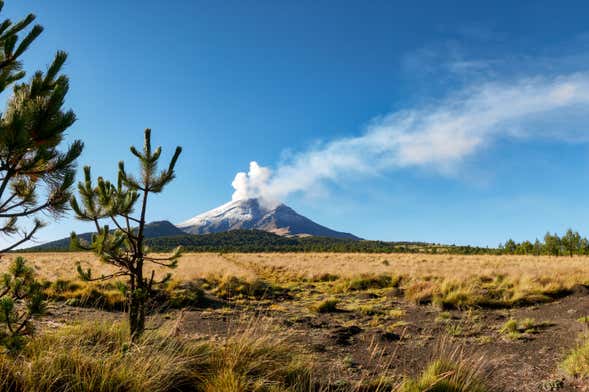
(326,306)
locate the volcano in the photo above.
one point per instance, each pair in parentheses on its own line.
(251,214)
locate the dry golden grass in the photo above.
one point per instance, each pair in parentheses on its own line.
(459,267)
(62,265)
(292,266)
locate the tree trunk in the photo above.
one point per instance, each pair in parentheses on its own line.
(137,306)
(142,291)
(133,308)
(133,316)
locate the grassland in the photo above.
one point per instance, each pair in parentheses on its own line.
(319,321)
(293,266)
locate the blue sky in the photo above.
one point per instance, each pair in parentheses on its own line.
(285,83)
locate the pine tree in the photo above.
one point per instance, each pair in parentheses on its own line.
(124,246)
(571,241)
(537,247)
(552,244)
(35,176)
(584,246)
(21,300)
(510,246)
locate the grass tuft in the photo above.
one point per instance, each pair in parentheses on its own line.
(328,305)
(577,361)
(450,372)
(446,376)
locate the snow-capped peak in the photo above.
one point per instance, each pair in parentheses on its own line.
(254,214)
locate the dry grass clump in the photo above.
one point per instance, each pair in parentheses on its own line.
(325,277)
(235,287)
(451,371)
(520,329)
(103,295)
(328,305)
(256,359)
(97,357)
(446,376)
(421,292)
(577,361)
(366,282)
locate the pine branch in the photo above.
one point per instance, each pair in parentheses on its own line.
(26,237)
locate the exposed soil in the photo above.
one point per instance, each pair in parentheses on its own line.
(350,346)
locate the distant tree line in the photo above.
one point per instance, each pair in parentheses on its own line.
(261,241)
(256,241)
(571,243)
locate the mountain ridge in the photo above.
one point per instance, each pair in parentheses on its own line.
(154,229)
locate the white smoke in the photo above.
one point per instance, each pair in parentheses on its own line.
(437,136)
(251,184)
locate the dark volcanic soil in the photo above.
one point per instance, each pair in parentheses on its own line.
(351,346)
(353,343)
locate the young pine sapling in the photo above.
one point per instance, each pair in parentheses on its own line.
(123,246)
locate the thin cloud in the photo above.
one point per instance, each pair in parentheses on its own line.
(436,137)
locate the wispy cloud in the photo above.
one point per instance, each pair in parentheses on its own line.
(437,137)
